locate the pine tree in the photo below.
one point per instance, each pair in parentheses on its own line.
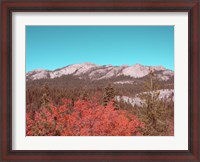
(108,95)
(45,95)
(153,112)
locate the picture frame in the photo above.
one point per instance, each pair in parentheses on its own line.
(191,7)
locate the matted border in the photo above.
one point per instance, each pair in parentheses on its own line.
(7,7)
(179,21)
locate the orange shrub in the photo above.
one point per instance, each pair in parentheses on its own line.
(84,118)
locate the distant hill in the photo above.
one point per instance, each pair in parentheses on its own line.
(90,71)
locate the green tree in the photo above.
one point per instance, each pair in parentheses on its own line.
(108,94)
(154,113)
(45,99)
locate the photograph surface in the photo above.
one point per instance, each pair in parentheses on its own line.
(100,80)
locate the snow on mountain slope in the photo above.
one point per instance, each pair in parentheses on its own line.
(138,71)
(100,72)
(37,74)
(97,72)
(114,71)
(75,69)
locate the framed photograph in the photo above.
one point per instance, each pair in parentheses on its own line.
(100,80)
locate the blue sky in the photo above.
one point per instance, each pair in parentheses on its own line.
(51,47)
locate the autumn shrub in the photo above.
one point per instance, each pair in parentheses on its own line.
(83,118)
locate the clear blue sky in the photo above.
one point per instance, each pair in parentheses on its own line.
(51,47)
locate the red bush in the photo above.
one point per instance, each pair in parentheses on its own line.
(84,118)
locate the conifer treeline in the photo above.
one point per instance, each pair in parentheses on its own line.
(75,88)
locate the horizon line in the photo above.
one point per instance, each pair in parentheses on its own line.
(99,65)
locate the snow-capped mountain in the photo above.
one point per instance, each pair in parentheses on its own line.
(97,72)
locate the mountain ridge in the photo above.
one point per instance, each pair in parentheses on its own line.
(98,72)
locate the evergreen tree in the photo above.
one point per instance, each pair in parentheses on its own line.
(45,95)
(153,112)
(108,95)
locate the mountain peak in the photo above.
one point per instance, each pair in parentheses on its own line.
(36,71)
(138,65)
(97,72)
(160,67)
(87,63)
(40,69)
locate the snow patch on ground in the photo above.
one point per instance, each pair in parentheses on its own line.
(137,101)
(124,82)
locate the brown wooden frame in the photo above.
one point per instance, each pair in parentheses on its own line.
(9,6)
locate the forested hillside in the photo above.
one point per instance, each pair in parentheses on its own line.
(118,105)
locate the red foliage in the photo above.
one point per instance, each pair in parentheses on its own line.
(84,118)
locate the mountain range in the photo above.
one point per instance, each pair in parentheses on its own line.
(98,72)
